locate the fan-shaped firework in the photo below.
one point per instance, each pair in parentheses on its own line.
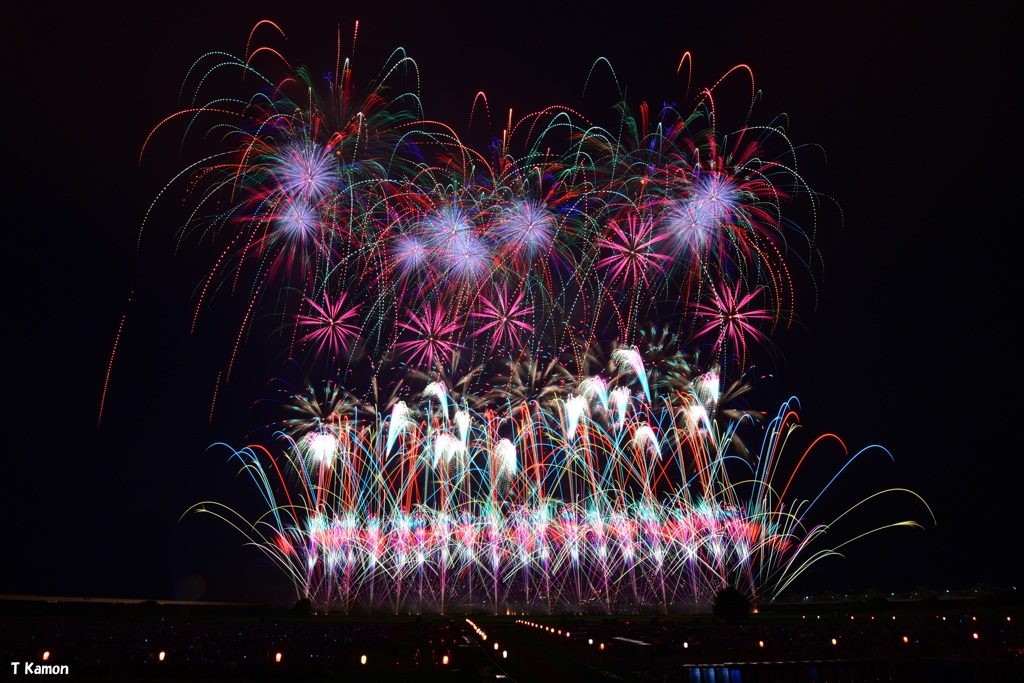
(550,439)
(578,507)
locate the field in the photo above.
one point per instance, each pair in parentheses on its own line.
(916,640)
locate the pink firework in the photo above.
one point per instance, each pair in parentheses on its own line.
(632,254)
(504,318)
(728,314)
(433,334)
(333,328)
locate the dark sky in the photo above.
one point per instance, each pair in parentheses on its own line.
(913,344)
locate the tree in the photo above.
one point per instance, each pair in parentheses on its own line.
(731,605)
(302,606)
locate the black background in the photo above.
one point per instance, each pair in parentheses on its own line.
(913,343)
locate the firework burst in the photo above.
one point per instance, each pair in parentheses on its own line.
(547,436)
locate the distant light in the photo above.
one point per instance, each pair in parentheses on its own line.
(590,641)
(362,660)
(495,646)
(686,646)
(566,634)
(444,660)
(161,655)
(760,643)
(833,641)
(602,646)
(277,657)
(46,655)
(906,639)
(974,635)
(504,654)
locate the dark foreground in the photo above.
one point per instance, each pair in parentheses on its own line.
(953,641)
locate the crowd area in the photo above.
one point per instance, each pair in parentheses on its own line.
(174,648)
(835,646)
(866,636)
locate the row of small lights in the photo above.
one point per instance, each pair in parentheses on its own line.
(162,655)
(686,645)
(852,617)
(906,639)
(553,631)
(483,636)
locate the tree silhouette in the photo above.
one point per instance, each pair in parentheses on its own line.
(731,605)
(303,606)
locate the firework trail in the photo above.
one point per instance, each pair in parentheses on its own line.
(435,506)
(536,313)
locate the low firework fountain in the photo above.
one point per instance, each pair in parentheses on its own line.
(585,506)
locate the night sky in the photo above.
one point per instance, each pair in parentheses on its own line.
(913,343)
